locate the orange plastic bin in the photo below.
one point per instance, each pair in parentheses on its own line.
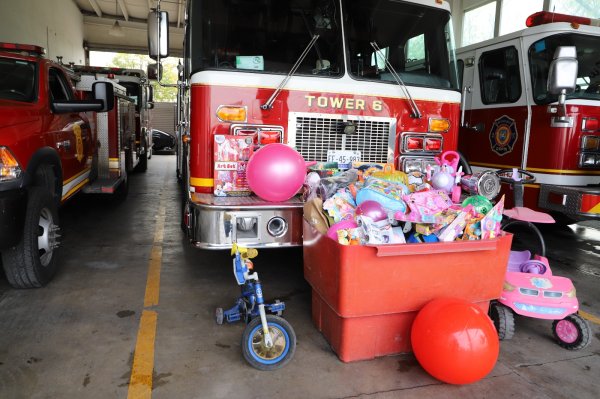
(365,297)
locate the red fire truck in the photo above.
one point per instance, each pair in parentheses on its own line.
(512,120)
(54,142)
(371,80)
(140,91)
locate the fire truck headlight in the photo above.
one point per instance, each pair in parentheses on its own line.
(232,113)
(439,125)
(9,166)
(589,160)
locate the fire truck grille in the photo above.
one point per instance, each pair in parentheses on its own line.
(373,137)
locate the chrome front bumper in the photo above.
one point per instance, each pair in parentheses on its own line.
(216,222)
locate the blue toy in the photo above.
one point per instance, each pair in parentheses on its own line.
(269,341)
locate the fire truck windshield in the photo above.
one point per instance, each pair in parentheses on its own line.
(266,36)
(588,57)
(17,80)
(415,39)
(269,36)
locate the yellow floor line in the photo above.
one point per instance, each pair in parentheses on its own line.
(589,317)
(140,383)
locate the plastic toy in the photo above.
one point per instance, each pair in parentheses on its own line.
(341,225)
(454,341)
(372,209)
(340,206)
(531,290)
(269,341)
(386,193)
(424,205)
(480,203)
(276,172)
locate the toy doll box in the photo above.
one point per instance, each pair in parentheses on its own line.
(231,158)
(366,297)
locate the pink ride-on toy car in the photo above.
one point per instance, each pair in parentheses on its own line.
(531,290)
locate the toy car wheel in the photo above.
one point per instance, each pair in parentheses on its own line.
(258,354)
(503,319)
(572,332)
(219,316)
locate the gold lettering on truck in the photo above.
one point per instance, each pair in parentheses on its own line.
(357,104)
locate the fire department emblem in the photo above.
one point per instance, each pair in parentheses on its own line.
(78,142)
(503,135)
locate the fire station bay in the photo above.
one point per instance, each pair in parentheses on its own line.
(416,182)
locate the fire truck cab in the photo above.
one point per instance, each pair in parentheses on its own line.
(48,152)
(511,118)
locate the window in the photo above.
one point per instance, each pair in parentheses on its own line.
(17,80)
(59,89)
(478,24)
(584,8)
(514,13)
(415,39)
(499,76)
(588,57)
(266,36)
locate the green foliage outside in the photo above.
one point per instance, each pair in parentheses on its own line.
(138,61)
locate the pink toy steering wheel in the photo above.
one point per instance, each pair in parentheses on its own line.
(450,158)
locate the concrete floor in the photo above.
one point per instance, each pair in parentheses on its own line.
(76,337)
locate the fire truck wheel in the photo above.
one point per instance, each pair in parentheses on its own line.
(32,262)
(142,165)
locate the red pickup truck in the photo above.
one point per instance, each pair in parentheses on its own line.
(48,152)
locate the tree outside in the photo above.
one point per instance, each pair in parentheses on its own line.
(139,61)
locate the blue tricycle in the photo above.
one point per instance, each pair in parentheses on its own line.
(269,341)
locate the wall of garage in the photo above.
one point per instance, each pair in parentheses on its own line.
(56,25)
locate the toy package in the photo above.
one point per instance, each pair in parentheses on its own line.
(388,194)
(231,159)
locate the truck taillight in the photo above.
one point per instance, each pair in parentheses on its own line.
(414,144)
(9,166)
(422,143)
(546,17)
(589,124)
(433,145)
(261,134)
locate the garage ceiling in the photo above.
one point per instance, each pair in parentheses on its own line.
(99,16)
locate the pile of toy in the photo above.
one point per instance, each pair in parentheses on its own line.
(373,204)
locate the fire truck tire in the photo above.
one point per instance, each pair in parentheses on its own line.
(32,262)
(142,165)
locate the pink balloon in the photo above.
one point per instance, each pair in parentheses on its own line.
(276,172)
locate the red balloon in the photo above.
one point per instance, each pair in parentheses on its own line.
(455,341)
(276,172)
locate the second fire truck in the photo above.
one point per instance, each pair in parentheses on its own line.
(513,120)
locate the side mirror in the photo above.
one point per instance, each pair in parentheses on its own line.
(158,34)
(153,71)
(104,92)
(150,95)
(562,76)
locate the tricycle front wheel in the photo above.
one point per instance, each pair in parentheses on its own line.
(258,354)
(572,332)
